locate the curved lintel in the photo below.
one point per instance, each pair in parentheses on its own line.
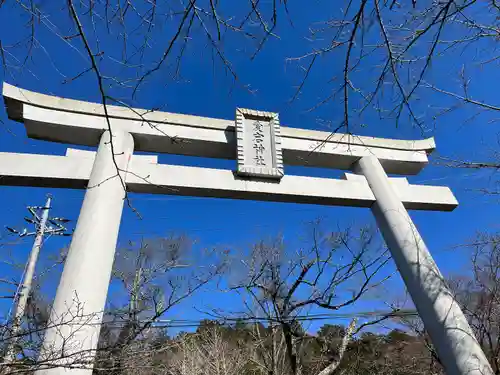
(15,97)
(79,122)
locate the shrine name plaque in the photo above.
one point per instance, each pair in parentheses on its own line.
(259,144)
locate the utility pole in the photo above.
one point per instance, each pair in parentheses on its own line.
(40,220)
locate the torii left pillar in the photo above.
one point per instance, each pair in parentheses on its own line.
(72,334)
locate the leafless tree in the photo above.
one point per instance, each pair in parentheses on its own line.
(207,352)
(28,338)
(333,271)
(409,63)
(395,42)
(479,295)
(156,274)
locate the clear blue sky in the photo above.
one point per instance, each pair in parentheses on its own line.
(206,90)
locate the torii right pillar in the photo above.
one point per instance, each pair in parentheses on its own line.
(451,335)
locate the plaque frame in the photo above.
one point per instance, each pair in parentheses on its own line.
(276,171)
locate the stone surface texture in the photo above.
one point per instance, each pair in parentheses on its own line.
(82,123)
(258,141)
(450,333)
(76,314)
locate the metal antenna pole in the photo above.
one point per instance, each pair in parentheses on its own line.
(25,290)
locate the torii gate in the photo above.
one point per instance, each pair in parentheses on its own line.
(261,147)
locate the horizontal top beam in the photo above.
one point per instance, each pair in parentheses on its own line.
(79,122)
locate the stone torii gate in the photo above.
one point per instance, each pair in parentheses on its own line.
(261,147)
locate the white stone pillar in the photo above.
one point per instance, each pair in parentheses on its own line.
(447,326)
(75,319)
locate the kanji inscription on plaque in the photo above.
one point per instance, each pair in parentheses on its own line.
(259,144)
